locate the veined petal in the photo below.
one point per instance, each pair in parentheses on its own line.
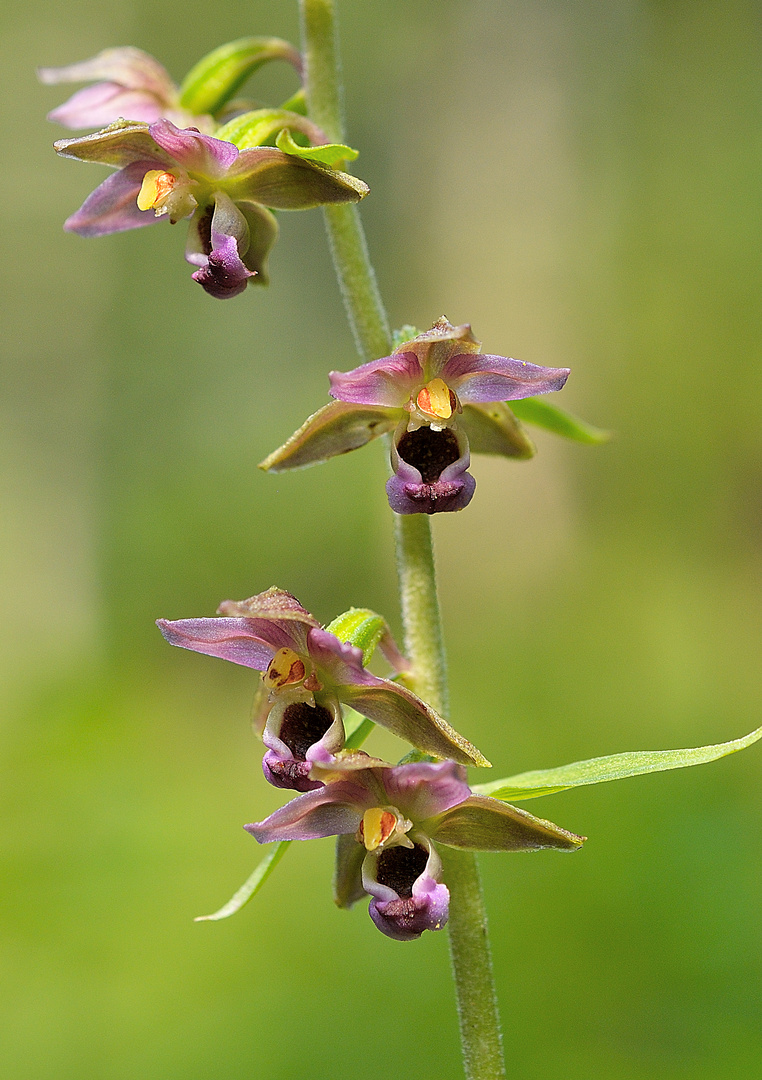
(401,712)
(129,67)
(193,151)
(480,377)
(268,176)
(493,429)
(389,381)
(332,810)
(483,824)
(334,429)
(230,639)
(99,105)
(119,144)
(113,207)
(274,612)
(422,789)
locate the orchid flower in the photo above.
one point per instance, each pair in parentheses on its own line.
(307,674)
(441,397)
(166,172)
(388,820)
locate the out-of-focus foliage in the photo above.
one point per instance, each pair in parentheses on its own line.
(582,183)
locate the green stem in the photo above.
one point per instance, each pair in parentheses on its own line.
(357,281)
(424,643)
(472,969)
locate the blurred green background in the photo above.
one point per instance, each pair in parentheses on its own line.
(579,180)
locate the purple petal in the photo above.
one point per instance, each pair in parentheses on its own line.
(389,381)
(332,810)
(425,903)
(430,471)
(341,661)
(230,639)
(128,67)
(478,377)
(99,105)
(113,207)
(296,734)
(224,275)
(421,790)
(196,153)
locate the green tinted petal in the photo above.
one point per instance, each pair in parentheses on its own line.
(543,413)
(493,429)
(218,75)
(482,824)
(251,886)
(283,182)
(331,154)
(531,785)
(334,429)
(118,145)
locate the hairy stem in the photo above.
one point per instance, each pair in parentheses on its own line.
(357,281)
(424,643)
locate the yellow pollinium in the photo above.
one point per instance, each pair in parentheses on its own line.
(436,399)
(157,184)
(285,667)
(377,826)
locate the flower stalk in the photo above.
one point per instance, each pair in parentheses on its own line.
(472,969)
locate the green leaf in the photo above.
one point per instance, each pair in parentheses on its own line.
(357,732)
(541,413)
(531,785)
(331,154)
(251,886)
(219,74)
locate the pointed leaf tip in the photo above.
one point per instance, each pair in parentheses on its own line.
(538,782)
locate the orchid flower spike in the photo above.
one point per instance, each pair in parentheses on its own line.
(169,173)
(307,674)
(388,820)
(441,397)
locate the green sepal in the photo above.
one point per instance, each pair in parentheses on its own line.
(531,785)
(493,429)
(542,413)
(481,824)
(251,886)
(405,333)
(335,429)
(218,75)
(347,875)
(331,154)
